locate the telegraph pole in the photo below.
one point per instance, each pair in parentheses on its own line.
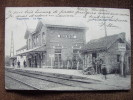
(26,24)
(12,46)
(105,28)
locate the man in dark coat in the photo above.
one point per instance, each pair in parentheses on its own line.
(24,63)
(104,71)
(19,64)
(94,64)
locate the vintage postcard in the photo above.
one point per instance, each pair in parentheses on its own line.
(67,48)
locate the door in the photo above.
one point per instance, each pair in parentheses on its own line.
(58,60)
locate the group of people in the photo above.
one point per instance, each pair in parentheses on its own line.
(24,63)
(99,67)
(97,64)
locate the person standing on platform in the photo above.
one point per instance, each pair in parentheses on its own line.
(94,63)
(104,71)
(18,64)
(100,66)
(13,64)
(24,63)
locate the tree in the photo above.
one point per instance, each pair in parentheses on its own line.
(7,60)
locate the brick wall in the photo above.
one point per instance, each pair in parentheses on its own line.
(67,44)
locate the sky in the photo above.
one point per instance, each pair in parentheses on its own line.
(94,31)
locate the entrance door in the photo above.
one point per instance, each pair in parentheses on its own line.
(57,62)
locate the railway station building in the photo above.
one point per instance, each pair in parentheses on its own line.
(113,51)
(54,45)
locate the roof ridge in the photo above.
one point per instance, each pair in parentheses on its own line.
(103,42)
(95,40)
(78,24)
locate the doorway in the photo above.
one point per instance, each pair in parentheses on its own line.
(57,61)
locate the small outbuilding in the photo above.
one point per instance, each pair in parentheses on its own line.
(113,52)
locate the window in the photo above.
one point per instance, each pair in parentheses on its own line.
(66,36)
(74,37)
(37,40)
(59,35)
(34,41)
(43,36)
(121,41)
(57,50)
(29,43)
(58,57)
(75,54)
(94,55)
(118,58)
(57,62)
(75,50)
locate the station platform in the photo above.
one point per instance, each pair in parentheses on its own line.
(112,79)
(68,72)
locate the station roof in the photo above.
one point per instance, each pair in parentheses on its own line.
(70,23)
(64,23)
(34,50)
(28,32)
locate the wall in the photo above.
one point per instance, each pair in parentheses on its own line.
(67,44)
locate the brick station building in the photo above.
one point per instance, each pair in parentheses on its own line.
(114,52)
(54,44)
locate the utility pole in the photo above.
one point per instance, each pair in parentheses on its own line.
(12,46)
(105,28)
(26,24)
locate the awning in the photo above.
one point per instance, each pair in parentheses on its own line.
(34,50)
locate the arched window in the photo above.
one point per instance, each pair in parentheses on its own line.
(43,37)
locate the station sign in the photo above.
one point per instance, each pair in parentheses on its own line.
(121,47)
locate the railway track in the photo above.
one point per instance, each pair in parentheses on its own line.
(22,83)
(90,84)
(54,79)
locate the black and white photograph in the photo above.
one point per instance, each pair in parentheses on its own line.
(67,48)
